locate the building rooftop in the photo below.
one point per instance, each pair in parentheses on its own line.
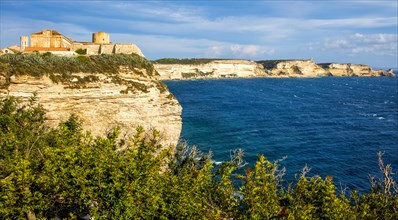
(53,32)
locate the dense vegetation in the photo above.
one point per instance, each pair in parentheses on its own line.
(191,61)
(65,172)
(60,68)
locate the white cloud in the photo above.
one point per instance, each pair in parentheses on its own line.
(377,44)
(181,29)
(11,31)
(215,51)
(159,46)
(333,44)
(250,50)
(375,38)
(355,22)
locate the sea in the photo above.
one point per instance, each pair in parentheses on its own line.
(333,125)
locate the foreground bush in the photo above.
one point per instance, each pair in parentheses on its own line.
(67,173)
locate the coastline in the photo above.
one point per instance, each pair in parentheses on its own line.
(183,69)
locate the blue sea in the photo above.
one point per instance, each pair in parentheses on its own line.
(334,125)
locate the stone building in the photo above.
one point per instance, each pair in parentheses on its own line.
(101,38)
(24,42)
(58,44)
(101,45)
(50,39)
(10,50)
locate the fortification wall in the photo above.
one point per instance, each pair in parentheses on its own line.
(128,49)
(95,49)
(101,37)
(107,48)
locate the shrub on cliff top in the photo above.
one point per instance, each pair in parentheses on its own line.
(81,51)
(39,65)
(67,173)
(192,61)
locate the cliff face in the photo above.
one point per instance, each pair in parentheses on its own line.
(308,68)
(104,101)
(267,68)
(293,68)
(354,70)
(213,69)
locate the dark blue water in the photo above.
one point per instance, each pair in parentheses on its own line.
(336,126)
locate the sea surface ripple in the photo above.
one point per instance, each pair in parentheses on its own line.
(334,125)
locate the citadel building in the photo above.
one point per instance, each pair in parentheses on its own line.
(57,43)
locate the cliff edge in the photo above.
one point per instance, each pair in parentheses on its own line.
(104,91)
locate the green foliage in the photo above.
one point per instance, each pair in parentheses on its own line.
(192,61)
(65,172)
(270,64)
(60,68)
(81,51)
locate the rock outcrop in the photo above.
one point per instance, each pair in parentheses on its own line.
(293,68)
(210,70)
(103,101)
(348,69)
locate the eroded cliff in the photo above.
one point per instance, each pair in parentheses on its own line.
(293,68)
(211,69)
(125,96)
(348,69)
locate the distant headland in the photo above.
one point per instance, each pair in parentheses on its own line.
(180,69)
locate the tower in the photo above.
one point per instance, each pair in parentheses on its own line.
(24,42)
(101,38)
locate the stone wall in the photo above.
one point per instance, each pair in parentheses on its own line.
(95,49)
(107,48)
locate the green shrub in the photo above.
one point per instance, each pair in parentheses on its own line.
(81,51)
(64,172)
(44,65)
(192,61)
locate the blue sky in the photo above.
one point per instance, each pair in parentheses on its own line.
(344,31)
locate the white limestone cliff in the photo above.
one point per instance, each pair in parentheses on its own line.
(132,100)
(349,69)
(267,68)
(212,69)
(296,68)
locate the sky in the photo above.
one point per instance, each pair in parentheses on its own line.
(342,31)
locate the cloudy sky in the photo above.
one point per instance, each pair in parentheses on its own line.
(345,31)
